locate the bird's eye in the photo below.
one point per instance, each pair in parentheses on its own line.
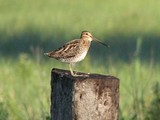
(86,33)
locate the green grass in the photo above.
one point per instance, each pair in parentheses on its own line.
(28,28)
(105,17)
(25,85)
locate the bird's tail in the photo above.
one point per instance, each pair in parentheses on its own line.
(46,54)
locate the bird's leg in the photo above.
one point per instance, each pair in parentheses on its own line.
(70,67)
(73,74)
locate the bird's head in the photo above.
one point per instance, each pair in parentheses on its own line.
(88,36)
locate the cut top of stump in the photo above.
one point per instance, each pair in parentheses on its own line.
(66,73)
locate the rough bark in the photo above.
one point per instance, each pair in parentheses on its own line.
(92,97)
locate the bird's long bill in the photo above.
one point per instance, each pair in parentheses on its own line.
(96,40)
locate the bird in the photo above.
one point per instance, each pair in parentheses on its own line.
(74,51)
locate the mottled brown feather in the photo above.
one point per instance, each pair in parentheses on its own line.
(70,49)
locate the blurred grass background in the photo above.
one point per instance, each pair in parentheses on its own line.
(29,28)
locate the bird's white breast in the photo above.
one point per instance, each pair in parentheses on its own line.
(81,56)
(75,59)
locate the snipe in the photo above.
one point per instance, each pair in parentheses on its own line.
(74,51)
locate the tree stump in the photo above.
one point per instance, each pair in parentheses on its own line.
(92,97)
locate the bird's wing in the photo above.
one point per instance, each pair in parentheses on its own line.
(66,51)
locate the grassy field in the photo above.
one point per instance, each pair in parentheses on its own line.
(25,86)
(29,28)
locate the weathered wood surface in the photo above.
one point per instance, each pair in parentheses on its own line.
(95,97)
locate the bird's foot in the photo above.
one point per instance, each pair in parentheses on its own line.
(80,75)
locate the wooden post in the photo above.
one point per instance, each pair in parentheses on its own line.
(95,97)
